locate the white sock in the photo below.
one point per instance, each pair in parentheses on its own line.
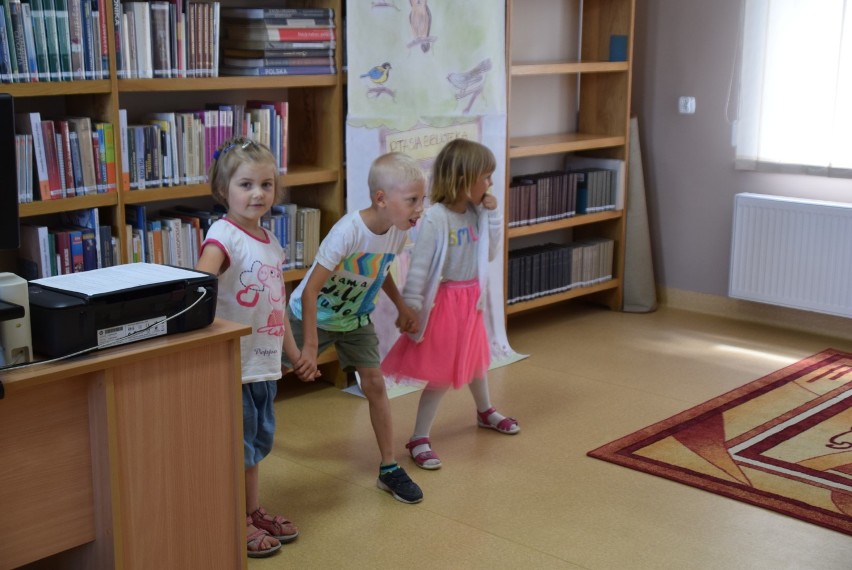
(479,390)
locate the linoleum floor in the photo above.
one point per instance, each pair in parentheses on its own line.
(534,500)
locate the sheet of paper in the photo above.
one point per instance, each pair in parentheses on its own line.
(117,278)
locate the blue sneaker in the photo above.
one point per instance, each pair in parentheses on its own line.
(400,485)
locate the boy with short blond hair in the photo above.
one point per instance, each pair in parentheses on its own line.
(333,303)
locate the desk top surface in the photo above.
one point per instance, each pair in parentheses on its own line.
(218,331)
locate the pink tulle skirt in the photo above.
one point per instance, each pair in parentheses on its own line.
(454,350)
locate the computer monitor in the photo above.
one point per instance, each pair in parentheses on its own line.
(9,230)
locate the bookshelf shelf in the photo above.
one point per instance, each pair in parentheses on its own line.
(585,219)
(300,175)
(67,204)
(566,68)
(54,88)
(541,145)
(524,306)
(225,83)
(294,275)
(567,100)
(165,193)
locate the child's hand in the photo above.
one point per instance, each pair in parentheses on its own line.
(306,365)
(489,202)
(407,321)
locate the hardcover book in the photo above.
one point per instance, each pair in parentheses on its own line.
(279,33)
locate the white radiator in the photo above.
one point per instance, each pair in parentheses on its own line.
(791,252)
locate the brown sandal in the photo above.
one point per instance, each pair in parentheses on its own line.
(277,526)
(255,538)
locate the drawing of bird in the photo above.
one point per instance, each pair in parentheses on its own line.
(421,23)
(470,81)
(378,74)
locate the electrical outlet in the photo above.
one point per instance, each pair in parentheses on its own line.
(686,105)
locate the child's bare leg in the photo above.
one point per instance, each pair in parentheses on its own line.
(373,386)
(252,489)
(252,504)
(392,477)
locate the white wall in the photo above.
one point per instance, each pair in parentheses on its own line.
(688,47)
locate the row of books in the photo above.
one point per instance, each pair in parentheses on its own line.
(174,148)
(167,149)
(555,195)
(53,40)
(550,268)
(171,236)
(67,157)
(298,231)
(78,243)
(164,39)
(278,41)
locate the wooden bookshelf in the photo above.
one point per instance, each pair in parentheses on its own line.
(314,174)
(558,58)
(315,145)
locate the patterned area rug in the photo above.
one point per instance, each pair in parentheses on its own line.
(783,442)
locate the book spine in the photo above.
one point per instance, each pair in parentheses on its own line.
(31,125)
(5,61)
(103,47)
(87,39)
(282,13)
(63,39)
(119,46)
(279,70)
(29,43)
(20,47)
(52,36)
(125,157)
(62,129)
(40,40)
(75,29)
(76,162)
(105,245)
(109,156)
(283,34)
(62,246)
(161,42)
(75,238)
(10,56)
(100,172)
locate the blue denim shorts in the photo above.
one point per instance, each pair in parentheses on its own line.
(258,420)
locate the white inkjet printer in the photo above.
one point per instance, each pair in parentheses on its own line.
(106,307)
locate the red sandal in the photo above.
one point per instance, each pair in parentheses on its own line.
(425,459)
(507,425)
(254,539)
(277,526)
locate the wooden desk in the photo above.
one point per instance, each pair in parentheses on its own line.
(127,458)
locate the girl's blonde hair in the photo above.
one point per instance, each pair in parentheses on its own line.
(229,156)
(457,168)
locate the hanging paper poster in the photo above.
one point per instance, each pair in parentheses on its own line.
(420,74)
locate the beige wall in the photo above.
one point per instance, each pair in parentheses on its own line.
(688,47)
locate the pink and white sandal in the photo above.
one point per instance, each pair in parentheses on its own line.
(425,459)
(280,528)
(254,540)
(507,425)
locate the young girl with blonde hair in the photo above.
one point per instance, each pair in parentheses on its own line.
(446,284)
(248,261)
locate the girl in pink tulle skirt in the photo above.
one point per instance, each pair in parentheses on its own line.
(446,284)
